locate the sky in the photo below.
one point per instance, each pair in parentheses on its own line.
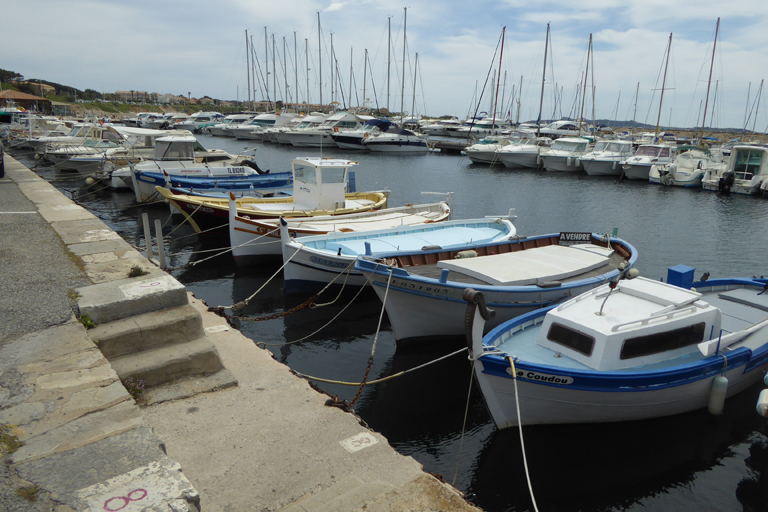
(199,47)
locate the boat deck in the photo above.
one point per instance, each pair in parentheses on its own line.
(534,275)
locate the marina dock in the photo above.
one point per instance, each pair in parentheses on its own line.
(226,428)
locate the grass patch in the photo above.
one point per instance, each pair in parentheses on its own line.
(28,493)
(137,271)
(86,321)
(9,442)
(73,295)
(74,258)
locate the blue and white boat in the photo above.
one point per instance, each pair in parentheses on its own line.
(745,173)
(311,262)
(629,350)
(423,288)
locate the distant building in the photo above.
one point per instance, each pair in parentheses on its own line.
(137,96)
(61,109)
(11,98)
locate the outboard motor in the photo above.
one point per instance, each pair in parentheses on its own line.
(726,182)
(254,166)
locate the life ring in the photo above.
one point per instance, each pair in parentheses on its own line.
(336,128)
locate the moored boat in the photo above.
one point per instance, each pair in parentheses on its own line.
(424,287)
(319,189)
(629,350)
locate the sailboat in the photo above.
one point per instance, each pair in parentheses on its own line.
(399,139)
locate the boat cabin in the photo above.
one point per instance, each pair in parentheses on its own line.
(656,151)
(320,183)
(175,148)
(570,144)
(748,161)
(658,322)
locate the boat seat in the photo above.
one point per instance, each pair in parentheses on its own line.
(747,297)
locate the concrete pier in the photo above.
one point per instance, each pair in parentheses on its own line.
(222,426)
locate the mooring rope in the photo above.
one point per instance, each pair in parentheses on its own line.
(375,341)
(464,424)
(520,429)
(383,379)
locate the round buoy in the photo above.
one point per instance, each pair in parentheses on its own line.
(89,180)
(37,156)
(717,395)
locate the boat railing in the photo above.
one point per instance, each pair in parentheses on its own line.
(656,317)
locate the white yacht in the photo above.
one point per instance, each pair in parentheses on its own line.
(198,120)
(397,140)
(745,173)
(254,130)
(223,129)
(638,166)
(320,136)
(687,169)
(524,152)
(355,139)
(606,157)
(565,154)
(486,150)
(440,127)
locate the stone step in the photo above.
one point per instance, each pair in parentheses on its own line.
(113,300)
(166,364)
(148,331)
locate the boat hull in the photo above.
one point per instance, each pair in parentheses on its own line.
(602,167)
(519,159)
(560,163)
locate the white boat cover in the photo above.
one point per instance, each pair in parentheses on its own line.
(531,266)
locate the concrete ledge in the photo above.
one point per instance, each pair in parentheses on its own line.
(114,300)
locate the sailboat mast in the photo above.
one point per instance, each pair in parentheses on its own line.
(519,95)
(496,101)
(320,59)
(663,84)
(389,56)
(415,68)
(709,82)
(285,73)
(634,116)
(759,95)
(543,76)
(266,66)
(306,59)
(584,90)
(296,70)
(365,72)
(274,70)
(402,92)
(351,52)
(248,69)
(332,81)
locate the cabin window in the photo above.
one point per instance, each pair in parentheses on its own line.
(662,342)
(570,338)
(306,174)
(333,175)
(747,163)
(664,152)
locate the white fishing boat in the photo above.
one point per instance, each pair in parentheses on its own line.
(319,189)
(606,157)
(253,239)
(745,173)
(638,166)
(629,350)
(355,139)
(565,154)
(180,155)
(314,261)
(524,152)
(424,287)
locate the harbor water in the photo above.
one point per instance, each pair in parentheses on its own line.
(435,414)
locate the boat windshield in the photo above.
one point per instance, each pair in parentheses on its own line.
(619,147)
(747,163)
(333,174)
(170,150)
(649,151)
(305,174)
(569,146)
(601,146)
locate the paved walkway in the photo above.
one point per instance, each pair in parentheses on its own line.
(74,439)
